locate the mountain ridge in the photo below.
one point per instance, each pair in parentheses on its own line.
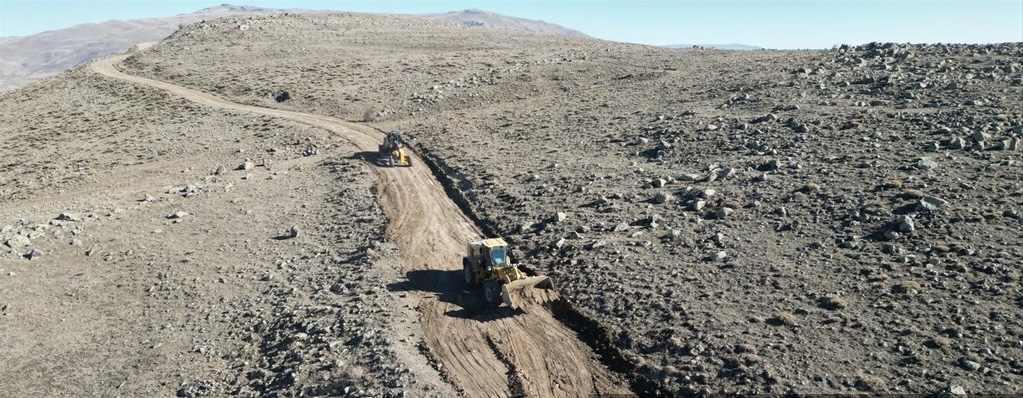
(27,59)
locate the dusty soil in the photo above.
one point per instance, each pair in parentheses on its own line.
(747,222)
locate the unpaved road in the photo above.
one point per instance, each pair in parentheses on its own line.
(483,354)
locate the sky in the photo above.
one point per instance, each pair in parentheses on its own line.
(776,24)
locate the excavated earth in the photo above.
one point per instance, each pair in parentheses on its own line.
(213,221)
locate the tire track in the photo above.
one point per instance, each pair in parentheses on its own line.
(530,353)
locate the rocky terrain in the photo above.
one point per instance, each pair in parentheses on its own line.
(800,222)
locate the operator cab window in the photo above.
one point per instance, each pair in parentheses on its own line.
(498,256)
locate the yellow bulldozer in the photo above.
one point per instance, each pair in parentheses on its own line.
(392,151)
(486,263)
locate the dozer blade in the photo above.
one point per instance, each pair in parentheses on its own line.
(539,282)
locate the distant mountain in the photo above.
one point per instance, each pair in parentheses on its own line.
(485,19)
(26,59)
(733,46)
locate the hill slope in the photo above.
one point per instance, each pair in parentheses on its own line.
(31,58)
(481,18)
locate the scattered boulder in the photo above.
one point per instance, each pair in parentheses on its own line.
(177,215)
(661,198)
(69,217)
(199,388)
(952,391)
(18,241)
(690,177)
(717,256)
(247,165)
(968,364)
(905,224)
(956,143)
(931,203)
(980,136)
(1012,144)
(34,254)
(771,165)
(724,173)
(926,164)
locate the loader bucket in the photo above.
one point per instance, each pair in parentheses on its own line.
(525,284)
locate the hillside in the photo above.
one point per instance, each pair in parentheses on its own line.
(485,19)
(784,222)
(31,58)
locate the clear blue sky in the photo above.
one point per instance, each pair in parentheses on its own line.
(766,23)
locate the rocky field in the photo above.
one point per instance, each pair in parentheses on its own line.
(848,220)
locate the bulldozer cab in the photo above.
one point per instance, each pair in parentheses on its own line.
(496,253)
(393,140)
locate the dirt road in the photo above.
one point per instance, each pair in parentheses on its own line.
(481,353)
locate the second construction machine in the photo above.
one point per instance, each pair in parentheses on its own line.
(392,151)
(486,263)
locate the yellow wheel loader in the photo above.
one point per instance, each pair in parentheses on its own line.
(486,263)
(392,151)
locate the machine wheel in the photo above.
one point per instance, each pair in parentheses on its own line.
(408,161)
(492,293)
(470,274)
(390,161)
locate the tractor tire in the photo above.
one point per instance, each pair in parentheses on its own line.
(492,293)
(390,161)
(471,278)
(408,161)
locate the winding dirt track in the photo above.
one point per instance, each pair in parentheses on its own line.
(484,354)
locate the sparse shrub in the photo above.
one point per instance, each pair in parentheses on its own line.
(810,187)
(783,318)
(938,342)
(865,382)
(893,184)
(831,302)
(356,375)
(745,348)
(370,115)
(912,194)
(906,287)
(749,358)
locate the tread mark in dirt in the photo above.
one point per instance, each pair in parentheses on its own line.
(514,381)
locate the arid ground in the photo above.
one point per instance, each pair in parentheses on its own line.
(206,216)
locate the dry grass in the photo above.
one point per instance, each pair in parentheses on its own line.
(912,194)
(908,287)
(893,184)
(831,302)
(783,318)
